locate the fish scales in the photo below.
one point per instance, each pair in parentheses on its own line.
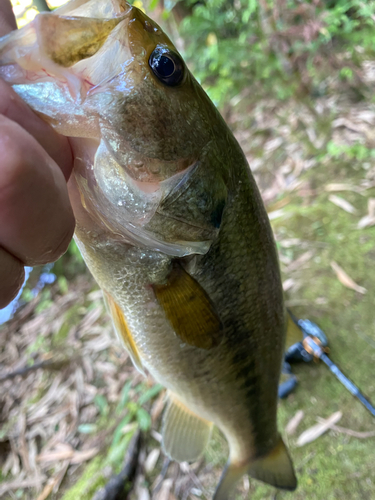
(170,223)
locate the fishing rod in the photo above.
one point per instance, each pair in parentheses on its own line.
(315,346)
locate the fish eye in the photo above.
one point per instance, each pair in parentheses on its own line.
(167,66)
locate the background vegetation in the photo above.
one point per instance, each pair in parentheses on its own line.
(295,82)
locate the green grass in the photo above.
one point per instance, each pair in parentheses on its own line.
(335,466)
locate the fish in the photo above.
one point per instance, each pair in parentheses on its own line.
(170,223)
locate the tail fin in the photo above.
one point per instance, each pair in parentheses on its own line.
(275,469)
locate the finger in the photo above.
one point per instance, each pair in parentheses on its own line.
(12,106)
(56,145)
(36,219)
(12,275)
(7,19)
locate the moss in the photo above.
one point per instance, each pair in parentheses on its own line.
(89,482)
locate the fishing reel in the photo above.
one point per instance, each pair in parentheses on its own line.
(312,346)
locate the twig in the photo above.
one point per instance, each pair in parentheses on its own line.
(15,485)
(162,475)
(349,432)
(114,489)
(51,364)
(54,482)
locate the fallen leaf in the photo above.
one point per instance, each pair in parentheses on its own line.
(156,435)
(301,261)
(345,279)
(151,460)
(317,430)
(276,214)
(366,221)
(294,422)
(340,187)
(62,452)
(143,493)
(165,490)
(66,452)
(350,432)
(19,485)
(278,204)
(287,284)
(369,219)
(371,207)
(340,202)
(84,455)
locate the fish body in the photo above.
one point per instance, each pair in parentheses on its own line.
(170,223)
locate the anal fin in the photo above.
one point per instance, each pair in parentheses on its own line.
(185,435)
(123,331)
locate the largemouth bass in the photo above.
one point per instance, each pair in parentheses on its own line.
(170,223)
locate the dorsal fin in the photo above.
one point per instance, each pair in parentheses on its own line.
(123,331)
(185,435)
(189,310)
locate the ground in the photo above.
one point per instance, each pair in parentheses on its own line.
(65,427)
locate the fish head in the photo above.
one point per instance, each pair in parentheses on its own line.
(155,124)
(153,114)
(104,72)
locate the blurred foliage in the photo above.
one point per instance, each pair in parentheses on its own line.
(278,48)
(69,265)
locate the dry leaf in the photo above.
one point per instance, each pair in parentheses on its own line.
(151,460)
(369,219)
(341,187)
(246,483)
(157,407)
(301,261)
(156,435)
(294,422)
(47,490)
(276,214)
(340,202)
(345,279)
(66,452)
(317,430)
(287,284)
(83,456)
(143,493)
(366,221)
(62,452)
(19,485)
(371,207)
(165,490)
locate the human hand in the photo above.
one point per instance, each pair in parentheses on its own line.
(36,219)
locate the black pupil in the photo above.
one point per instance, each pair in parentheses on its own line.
(164,66)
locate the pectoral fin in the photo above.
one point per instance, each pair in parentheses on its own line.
(189,310)
(185,435)
(123,331)
(275,469)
